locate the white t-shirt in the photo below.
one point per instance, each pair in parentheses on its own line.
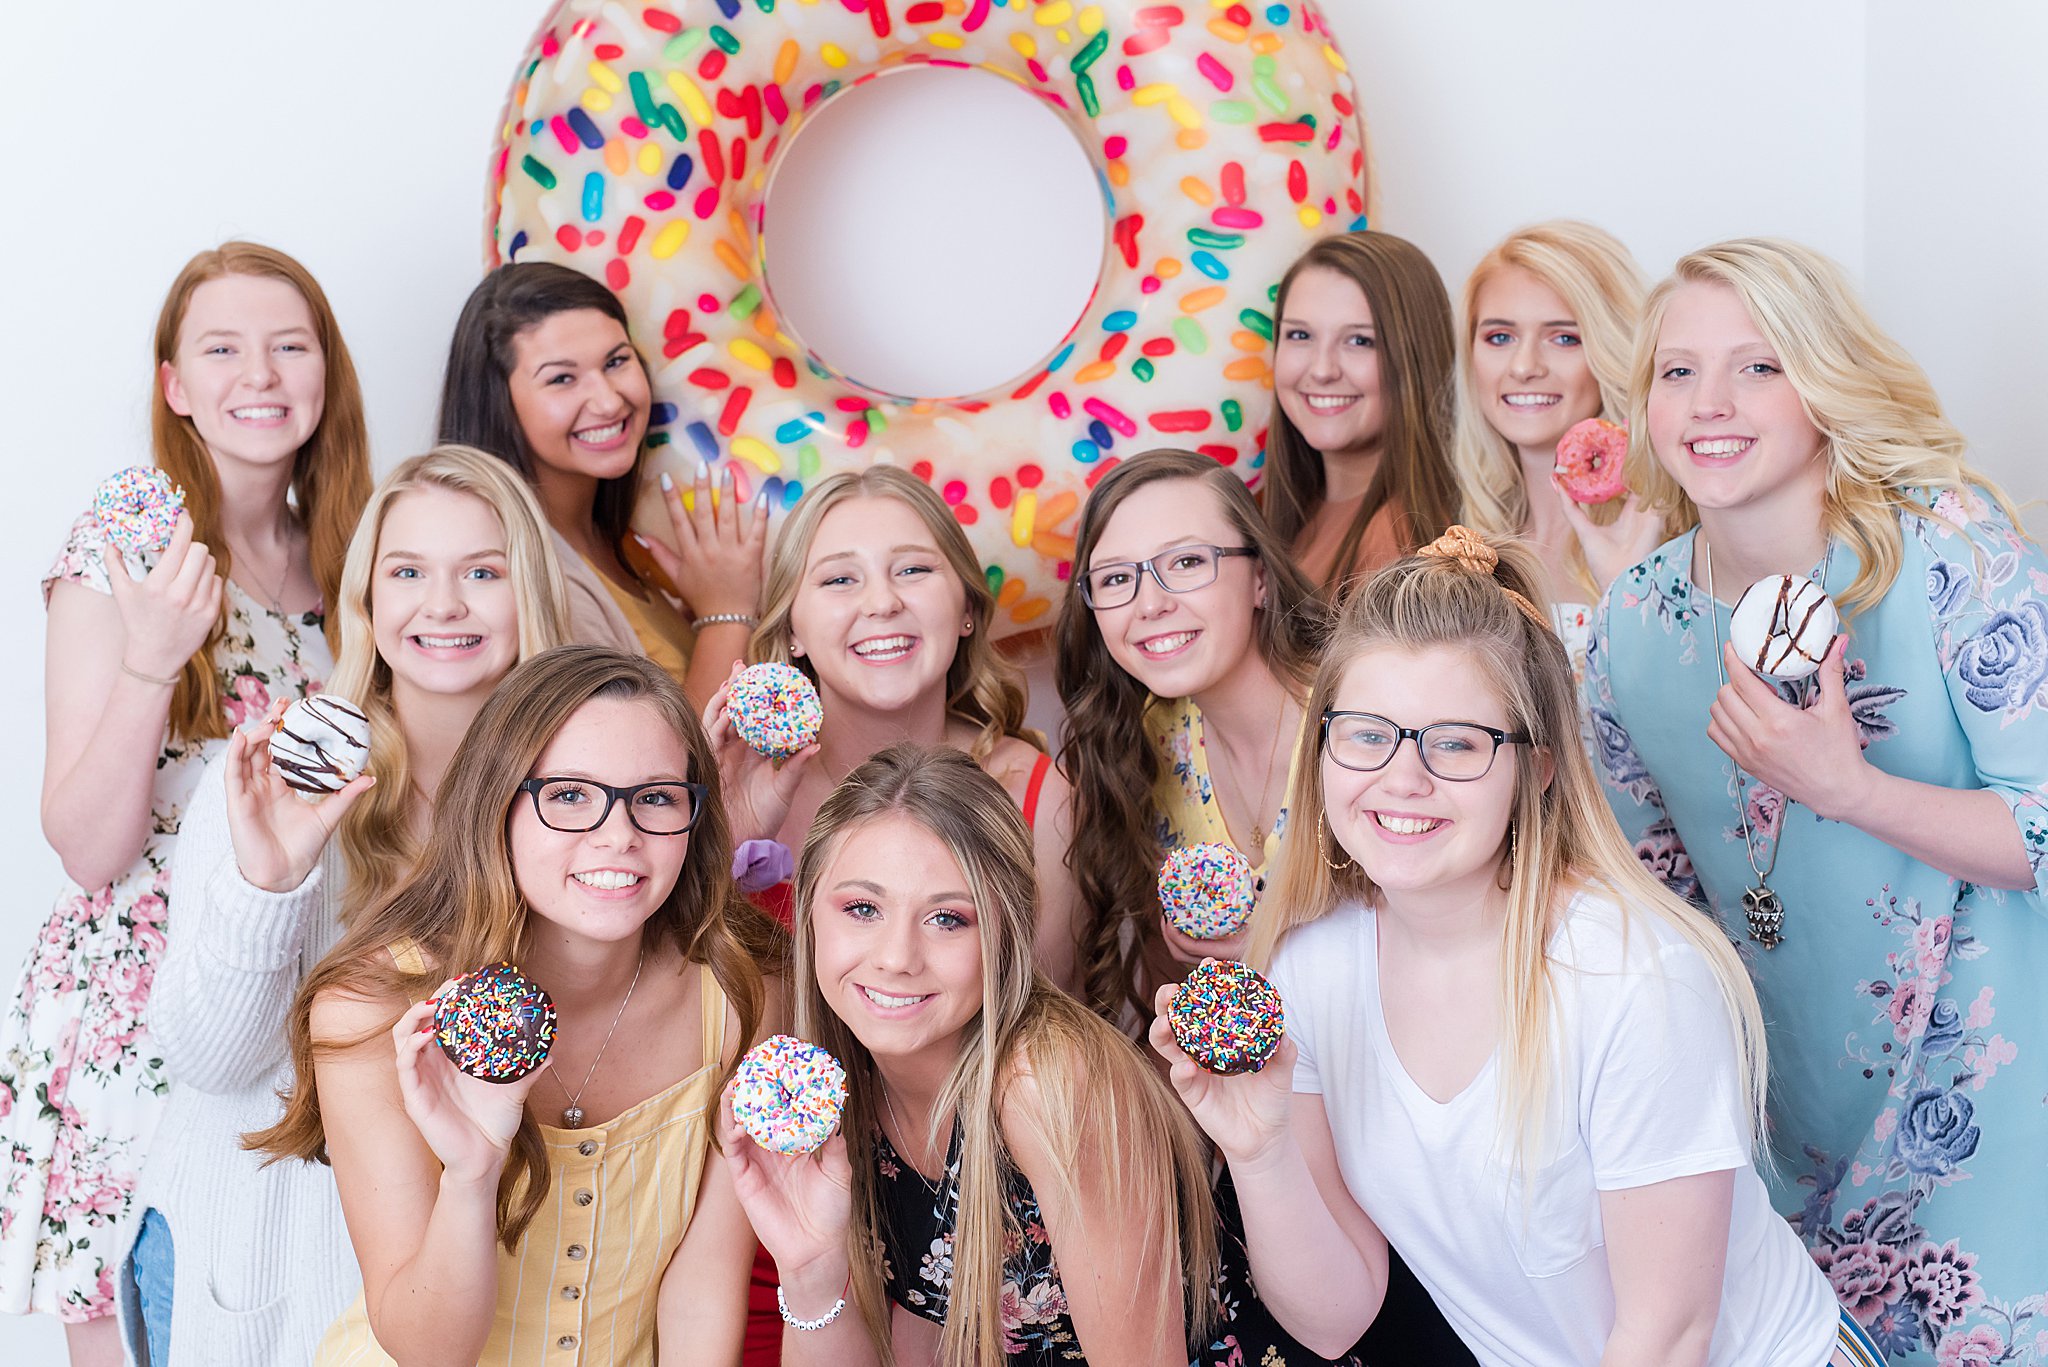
(1646,1091)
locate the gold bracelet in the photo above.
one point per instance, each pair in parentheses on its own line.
(156,679)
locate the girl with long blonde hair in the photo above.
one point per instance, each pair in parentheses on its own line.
(1509,1050)
(1549,318)
(1875,834)
(1011,1182)
(449,583)
(874,593)
(256,415)
(578,1214)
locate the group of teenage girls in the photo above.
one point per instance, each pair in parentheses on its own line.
(1541,1100)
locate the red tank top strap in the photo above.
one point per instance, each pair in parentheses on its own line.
(1031,789)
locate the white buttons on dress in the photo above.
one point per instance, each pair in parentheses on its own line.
(587,1147)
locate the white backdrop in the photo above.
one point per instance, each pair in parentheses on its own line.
(1900,138)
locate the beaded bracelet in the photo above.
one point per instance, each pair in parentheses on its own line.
(742,619)
(807,1326)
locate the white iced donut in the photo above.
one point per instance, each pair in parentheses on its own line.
(1783,626)
(320,744)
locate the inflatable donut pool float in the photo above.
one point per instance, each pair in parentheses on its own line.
(638,139)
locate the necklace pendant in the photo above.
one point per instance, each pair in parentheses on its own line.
(1765,914)
(572,1117)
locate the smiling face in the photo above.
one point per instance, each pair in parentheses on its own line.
(1410,831)
(580,394)
(601,884)
(1326,365)
(879,612)
(1178,645)
(249,371)
(442,608)
(896,940)
(1724,420)
(1529,361)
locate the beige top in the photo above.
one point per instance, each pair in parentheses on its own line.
(595,618)
(664,637)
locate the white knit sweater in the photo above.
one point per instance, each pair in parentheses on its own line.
(262,1257)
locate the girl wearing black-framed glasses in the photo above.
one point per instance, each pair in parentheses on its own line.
(1510,1051)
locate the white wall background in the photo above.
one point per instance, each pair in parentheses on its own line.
(1901,138)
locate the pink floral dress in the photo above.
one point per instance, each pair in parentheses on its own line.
(80,1082)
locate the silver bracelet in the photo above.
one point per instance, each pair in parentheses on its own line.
(807,1326)
(744,619)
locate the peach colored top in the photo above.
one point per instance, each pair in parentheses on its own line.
(1315,550)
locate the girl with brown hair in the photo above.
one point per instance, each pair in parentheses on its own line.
(1358,465)
(256,414)
(578,833)
(543,374)
(1182,652)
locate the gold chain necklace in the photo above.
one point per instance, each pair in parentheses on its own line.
(1265,787)
(572,1114)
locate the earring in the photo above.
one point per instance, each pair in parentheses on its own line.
(1323,847)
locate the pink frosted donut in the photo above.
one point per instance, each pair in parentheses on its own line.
(1589,460)
(1207,891)
(138,508)
(774,709)
(788,1094)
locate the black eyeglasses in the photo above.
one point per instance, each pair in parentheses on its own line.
(1457,751)
(1180,570)
(571,804)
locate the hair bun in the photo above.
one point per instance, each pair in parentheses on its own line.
(1469,551)
(1467,547)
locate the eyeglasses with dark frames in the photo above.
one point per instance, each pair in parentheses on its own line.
(669,807)
(1183,569)
(1456,751)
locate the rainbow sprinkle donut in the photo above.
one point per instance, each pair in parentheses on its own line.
(496,1023)
(1207,891)
(1227,1017)
(774,709)
(637,140)
(138,508)
(788,1094)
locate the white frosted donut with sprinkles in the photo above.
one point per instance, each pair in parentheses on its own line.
(638,139)
(788,1094)
(138,508)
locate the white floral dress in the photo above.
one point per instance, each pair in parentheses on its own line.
(80,1083)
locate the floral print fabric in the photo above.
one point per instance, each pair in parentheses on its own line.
(1909,1049)
(80,1083)
(917,1265)
(1183,795)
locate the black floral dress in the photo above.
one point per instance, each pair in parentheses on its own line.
(918,1220)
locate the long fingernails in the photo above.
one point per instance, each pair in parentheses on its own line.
(668,486)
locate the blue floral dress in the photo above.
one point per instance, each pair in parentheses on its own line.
(1909,1046)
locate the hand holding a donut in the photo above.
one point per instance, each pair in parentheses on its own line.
(1635,531)
(721,546)
(1247,1113)
(467,1122)
(756,790)
(277,835)
(167,615)
(799,1204)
